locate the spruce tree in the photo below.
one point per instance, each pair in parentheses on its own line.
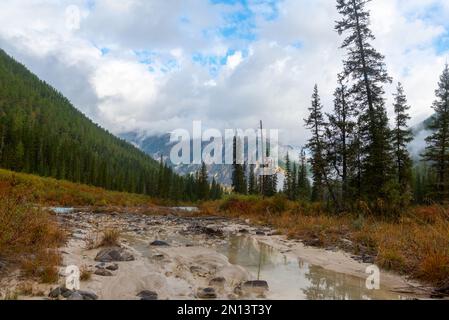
(437,151)
(365,67)
(252,180)
(340,135)
(402,136)
(294,192)
(288,179)
(203,183)
(304,188)
(315,123)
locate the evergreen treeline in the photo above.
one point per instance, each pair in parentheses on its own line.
(357,155)
(42,133)
(359,159)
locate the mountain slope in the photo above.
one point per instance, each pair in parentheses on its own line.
(42,133)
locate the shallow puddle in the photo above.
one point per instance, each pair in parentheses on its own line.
(294,279)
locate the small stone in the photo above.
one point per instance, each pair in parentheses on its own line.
(260,233)
(207,293)
(159,243)
(112,267)
(148,295)
(158,257)
(103,273)
(217,282)
(244,231)
(258,287)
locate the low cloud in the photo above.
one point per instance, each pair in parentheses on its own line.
(130,64)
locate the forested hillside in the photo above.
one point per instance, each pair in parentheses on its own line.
(42,133)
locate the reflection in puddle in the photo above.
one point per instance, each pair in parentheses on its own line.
(289,278)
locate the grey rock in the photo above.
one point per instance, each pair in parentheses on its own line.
(148,295)
(159,243)
(75,296)
(55,293)
(114,255)
(207,293)
(112,267)
(60,291)
(244,231)
(260,233)
(103,273)
(65,293)
(88,295)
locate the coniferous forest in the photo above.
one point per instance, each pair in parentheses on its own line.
(42,133)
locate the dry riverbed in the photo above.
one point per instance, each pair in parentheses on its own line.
(174,256)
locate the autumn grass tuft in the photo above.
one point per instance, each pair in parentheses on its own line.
(111,238)
(86,274)
(29,238)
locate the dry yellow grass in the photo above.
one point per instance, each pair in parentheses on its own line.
(52,192)
(29,237)
(111,238)
(86,274)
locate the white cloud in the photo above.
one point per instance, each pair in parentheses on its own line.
(128,64)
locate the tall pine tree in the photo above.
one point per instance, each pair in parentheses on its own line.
(316,124)
(402,136)
(437,151)
(365,66)
(341,139)
(304,188)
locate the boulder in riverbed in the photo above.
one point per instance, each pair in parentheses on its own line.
(60,292)
(88,295)
(75,296)
(148,295)
(103,273)
(115,254)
